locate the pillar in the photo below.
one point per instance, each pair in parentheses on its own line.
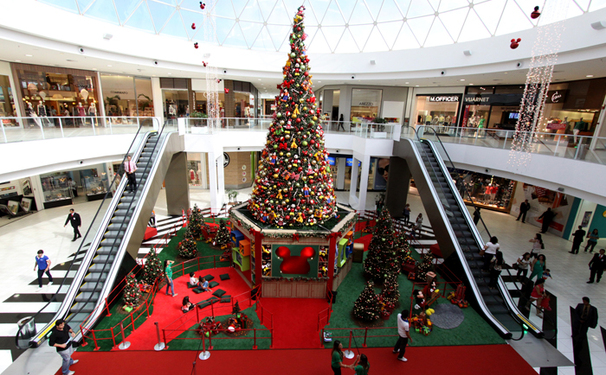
(157,99)
(359,202)
(398,185)
(340,183)
(177,187)
(216,183)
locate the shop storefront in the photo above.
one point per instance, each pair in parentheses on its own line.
(489,192)
(365,105)
(341,167)
(437,109)
(126,96)
(49,91)
(7,102)
(238,169)
(494,107)
(62,187)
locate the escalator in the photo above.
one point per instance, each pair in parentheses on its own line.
(125,219)
(459,238)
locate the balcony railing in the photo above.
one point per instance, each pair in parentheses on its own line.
(585,148)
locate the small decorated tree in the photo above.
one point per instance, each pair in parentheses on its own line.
(195,222)
(153,267)
(390,295)
(425,266)
(187,247)
(223,237)
(131,294)
(367,307)
(402,248)
(382,259)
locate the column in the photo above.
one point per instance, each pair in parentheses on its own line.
(203,170)
(216,182)
(398,185)
(157,98)
(358,202)
(177,187)
(340,183)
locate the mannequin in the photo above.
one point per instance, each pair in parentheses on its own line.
(92,112)
(30,112)
(80,111)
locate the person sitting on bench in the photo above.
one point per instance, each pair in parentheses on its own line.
(187,305)
(203,285)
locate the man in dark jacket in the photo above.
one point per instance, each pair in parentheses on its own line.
(597,265)
(585,316)
(74,219)
(524,208)
(577,240)
(547,217)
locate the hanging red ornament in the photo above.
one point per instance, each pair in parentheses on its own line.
(226,91)
(515,43)
(196,45)
(535,14)
(204,63)
(202,5)
(193,26)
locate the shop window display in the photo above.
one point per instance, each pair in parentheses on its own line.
(487,191)
(95,184)
(57,189)
(7,102)
(438,110)
(48,91)
(365,105)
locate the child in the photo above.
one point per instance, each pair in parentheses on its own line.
(192,280)
(187,305)
(203,285)
(547,274)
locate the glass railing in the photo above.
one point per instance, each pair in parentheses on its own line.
(585,148)
(22,129)
(192,125)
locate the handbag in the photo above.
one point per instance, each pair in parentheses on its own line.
(545,303)
(515,266)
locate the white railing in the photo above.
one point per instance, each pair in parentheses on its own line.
(586,148)
(193,125)
(21,129)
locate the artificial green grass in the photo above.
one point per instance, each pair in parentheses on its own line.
(190,339)
(473,331)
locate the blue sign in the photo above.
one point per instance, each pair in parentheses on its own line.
(349,162)
(331,160)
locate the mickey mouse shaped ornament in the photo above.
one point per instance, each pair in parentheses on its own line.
(196,45)
(535,14)
(515,43)
(202,5)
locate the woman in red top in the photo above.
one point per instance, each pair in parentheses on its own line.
(538,293)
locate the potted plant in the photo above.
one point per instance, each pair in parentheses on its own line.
(232,195)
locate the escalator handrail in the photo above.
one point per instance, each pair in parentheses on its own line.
(441,207)
(80,247)
(134,201)
(453,167)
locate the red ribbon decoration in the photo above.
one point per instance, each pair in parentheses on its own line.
(295,237)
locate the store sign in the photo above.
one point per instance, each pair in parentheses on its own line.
(366,104)
(349,162)
(493,99)
(444,98)
(331,160)
(556,96)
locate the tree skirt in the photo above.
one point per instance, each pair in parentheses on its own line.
(447,316)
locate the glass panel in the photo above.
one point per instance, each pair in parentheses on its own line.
(440,109)
(7,103)
(104,10)
(141,19)
(160,13)
(119,95)
(365,105)
(69,5)
(145,102)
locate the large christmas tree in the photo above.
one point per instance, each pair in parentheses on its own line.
(382,258)
(367,306)
(153,267)
(293,186)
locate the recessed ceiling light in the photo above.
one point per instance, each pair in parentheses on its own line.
(259,79)
(462,80)
(153,75)
(589,76)
(406,83)
(169,73)
(17,60)
(94,68)
(416,85)
(109,66)
(28,55)
(471,84)
(504,72)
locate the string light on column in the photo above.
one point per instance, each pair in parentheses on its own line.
(540,72)
(212,79)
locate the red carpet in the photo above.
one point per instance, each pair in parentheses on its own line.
(451,360)
(167,309)
(364,240)
(295,321)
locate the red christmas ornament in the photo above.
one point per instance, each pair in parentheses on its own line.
(226,91)
(196,45)
(219,80)
(515,43)
(193,26)
(202,5)
(535,14)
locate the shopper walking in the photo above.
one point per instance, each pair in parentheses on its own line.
(577,239)
(340,123)
(537,245)
(406,213)
(524,208)
(76,222)
(592,241)
(60,339)
(523,263)
(597,265)
(130,167)
(538,266)
(418,224)
(404,335)
(477,216)
(547,217)
(168,273)
(585,316)
(43,264)
(496,266)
